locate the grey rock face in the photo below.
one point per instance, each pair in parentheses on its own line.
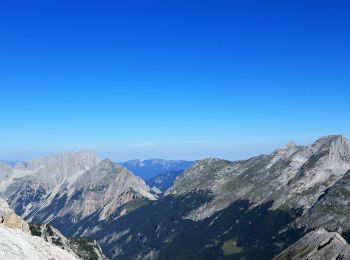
(313,179)
(47,174)
(17,242)
(14,244)
(79,247)
(106,186)
(70,186)
(332,210)
(293,177)
(317,245)
(10,219)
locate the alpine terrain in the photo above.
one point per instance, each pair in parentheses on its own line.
(18,241)
(64,189)
(252,209)
(291,204)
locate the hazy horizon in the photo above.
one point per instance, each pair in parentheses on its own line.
(232,152)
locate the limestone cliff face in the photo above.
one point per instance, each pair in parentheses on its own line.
(66,188)
(292,177)
(9,219)
(318,244)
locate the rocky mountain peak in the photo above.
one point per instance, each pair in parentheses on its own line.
(67,166)
(105,172)
(106,164)
(334,149)
(209,162)
(341,145)
(289,146)
(202,168)
(80,158)
(287,149)
(284,153)
(329,141)
(199,176)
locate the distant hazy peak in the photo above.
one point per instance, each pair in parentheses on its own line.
(150,168)
(9,163)
(67,163)
(292,146)
(152,161)
(132,162)
(4,166)
(83,155)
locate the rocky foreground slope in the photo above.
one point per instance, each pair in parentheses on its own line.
(82,248)
(16,241)
(318,244)
(15,244)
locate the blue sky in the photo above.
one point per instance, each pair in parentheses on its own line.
(171,78)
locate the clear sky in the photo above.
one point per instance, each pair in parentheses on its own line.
(171,78)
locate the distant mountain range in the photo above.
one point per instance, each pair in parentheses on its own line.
(151,168)
(290,204)
(164,181)
(10,163)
